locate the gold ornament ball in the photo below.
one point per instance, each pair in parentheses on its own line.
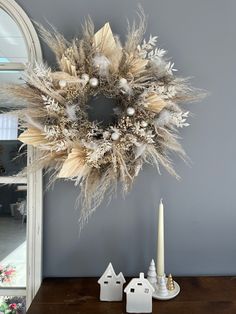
(93,82)
(62,83)
(144,124)
(130,111)
(85,77)
(115,136)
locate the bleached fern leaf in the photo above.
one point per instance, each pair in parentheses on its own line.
(50,104)
(71,112)
(43,73)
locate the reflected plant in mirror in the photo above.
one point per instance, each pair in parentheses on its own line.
(13,218)
(11,162)
(12,305)
(7,273)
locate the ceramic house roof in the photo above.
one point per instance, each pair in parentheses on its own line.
(110,272)
(135,281)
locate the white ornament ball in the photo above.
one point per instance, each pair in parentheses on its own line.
(106,135)
(144,124)
(130,111)
(115,136)
(93,82)
(85,77)
(123,81)
(62,83)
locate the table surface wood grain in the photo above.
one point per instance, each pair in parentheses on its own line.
(198,295)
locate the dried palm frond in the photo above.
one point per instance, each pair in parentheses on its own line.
(68,66)
(75,164)
(107,45)
(137,66)
(104,40)
(154,102)
(33,137)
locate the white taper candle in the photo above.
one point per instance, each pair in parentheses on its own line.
(160,241)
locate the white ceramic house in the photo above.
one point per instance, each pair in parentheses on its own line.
(139,295)
(111,285)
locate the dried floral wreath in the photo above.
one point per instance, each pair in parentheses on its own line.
(147,93)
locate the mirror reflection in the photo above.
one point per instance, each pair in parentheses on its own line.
(13,304)
(13,158)
(13,191)
(12,43)
(13,218)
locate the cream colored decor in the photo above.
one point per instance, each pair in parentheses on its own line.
(147,93)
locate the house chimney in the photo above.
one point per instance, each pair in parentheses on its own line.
(141,275)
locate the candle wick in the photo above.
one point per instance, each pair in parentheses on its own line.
(161,201)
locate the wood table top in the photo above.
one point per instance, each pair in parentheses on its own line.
(198,295)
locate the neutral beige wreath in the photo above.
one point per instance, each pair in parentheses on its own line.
(147,93)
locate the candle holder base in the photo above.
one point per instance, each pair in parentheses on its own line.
(171,293)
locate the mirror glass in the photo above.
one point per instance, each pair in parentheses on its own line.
(13,191)
(12,43)
(12,305)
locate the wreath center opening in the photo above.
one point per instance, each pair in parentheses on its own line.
(102,110)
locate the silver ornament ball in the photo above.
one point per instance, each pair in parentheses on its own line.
(93,82)
(62,83)
(130,111)
(144,124)
(115,136)
(85,77)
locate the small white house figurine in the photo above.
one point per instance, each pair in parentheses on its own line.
(139,295)
(111,285)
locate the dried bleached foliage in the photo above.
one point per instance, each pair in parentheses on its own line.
(148,95)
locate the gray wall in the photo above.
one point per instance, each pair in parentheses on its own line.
(200,210)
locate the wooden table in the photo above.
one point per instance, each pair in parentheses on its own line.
(198,295)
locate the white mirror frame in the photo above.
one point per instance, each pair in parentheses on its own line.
(34,180)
